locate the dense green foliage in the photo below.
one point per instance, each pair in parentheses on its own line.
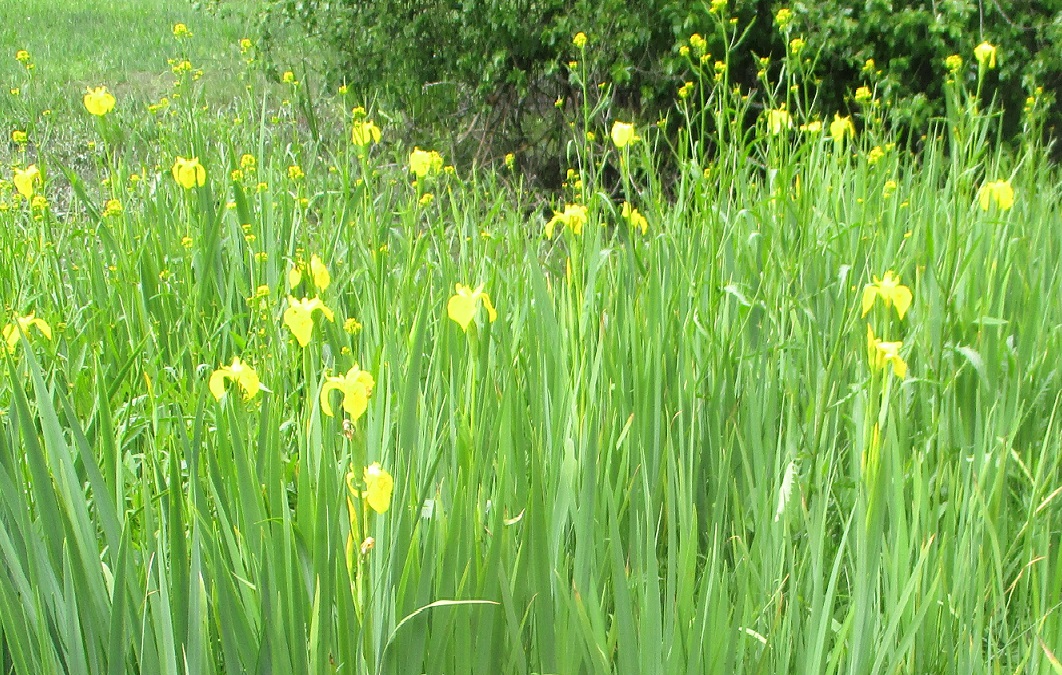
(758,392)
(507,61)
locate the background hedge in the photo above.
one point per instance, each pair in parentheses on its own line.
(487,72)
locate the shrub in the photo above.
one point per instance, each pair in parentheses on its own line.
(499,66)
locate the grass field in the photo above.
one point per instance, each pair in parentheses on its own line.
(281,400)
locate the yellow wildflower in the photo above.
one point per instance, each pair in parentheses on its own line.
(998,192)
(19,137)
(113,207)
(424,162)
(240,373)
(23,324)
(698,44)
(986,55)
(579,40)
(98,101)
(464,303)
(778,121)
(841,127)
(295,172)
(623,134)
(953,63)
(364,133)
(22,56)
(189,173)
(882,354)
(863,94)
(319,272)
(24,180)
(298,317)
(379,486)
(356,387)
(636,219)
(891,291)
(574,217)
(783,18)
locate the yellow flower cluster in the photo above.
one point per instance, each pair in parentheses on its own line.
(882,353)
(783,18)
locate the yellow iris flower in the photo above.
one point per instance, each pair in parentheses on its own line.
(882,354)
(464,303)
(242,374)
(623,134)
(423,162)
(379,486)
(365,132)
(356,387)
(321,277)
(998,192)
(318,271)
(891,291)
(299,317)
(986,55)
(778,121)
(189,173)
(24,180)
(574,217)
(23,324)
(99,101)
(841,128)
(636,219)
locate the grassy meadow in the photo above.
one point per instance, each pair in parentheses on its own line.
(282,394)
